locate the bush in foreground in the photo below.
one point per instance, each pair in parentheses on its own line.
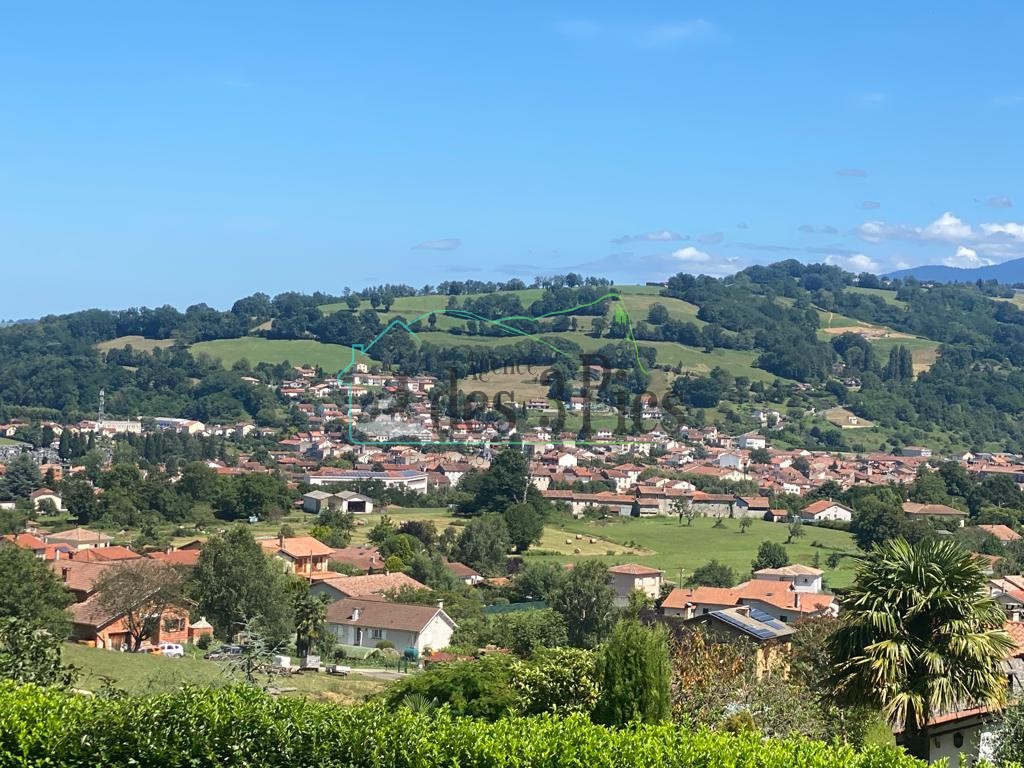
(241,726)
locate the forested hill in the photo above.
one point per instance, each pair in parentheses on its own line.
(1008,272)
(825,349)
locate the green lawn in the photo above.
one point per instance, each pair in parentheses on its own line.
(330,357)
(139,673)
(8,441)
(688,547)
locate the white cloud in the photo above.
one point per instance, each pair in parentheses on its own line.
(857,262)
(1003,240)
(966,257)
(948,228)
(445,244)
(691,254)
(659,236)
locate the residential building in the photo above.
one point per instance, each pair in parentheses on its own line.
(826,509)
(630,576)
(303,555)
(78,539)
(367,622)
(802,578)
(337,586)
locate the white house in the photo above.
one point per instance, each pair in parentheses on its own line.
(826,509)
(45,494)
(752,441)
(628,577)
(367,622)
(802,578)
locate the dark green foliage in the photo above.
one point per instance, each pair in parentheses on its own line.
(770,554)
(586,601)
(635,675)
(713,574)
(30,654)
(32,592)
(243,726)
(235,583)
(484,544)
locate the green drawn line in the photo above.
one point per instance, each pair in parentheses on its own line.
(620,312)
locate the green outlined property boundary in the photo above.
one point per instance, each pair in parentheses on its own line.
(359,350)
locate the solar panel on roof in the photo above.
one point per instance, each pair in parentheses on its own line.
(753,628)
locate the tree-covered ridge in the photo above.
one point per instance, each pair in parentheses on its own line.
(772,314)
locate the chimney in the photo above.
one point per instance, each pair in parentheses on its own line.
(440,605)
(355,614)
(280,540)
(64,574)
(797,601)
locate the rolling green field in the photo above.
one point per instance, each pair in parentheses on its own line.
(140,673)
(688,547)
(255,349)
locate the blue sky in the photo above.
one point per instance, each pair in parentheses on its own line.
(197,154)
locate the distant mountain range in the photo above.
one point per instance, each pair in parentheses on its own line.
(1007,272)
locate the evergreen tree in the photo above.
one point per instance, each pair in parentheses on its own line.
(635,674)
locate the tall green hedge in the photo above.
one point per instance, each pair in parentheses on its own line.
(243,727)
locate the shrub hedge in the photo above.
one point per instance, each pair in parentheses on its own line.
(244,727)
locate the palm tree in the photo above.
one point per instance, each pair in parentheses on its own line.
(920,637)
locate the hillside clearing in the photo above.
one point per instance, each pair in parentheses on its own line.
(255,349)
(138,343)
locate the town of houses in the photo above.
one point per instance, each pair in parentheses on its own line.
(654,474)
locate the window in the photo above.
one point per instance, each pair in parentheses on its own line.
(706,610)
(377,634)
(174,624)
(783,618)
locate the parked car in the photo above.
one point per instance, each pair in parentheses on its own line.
(223,652)
(174,650)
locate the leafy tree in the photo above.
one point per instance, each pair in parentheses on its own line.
(1010,736)
(635,675)
(536,581)
(140,591)
(586,601)
(712,574)
(795,531)
(334,528)
(929,488)
(878,517)
(484,544)
(235,584)
(31,654)
(382,531)
(32,592)
(745,522)
(770,555)
(557,680)
(657,314)
(527,632)
(21,477)
(760,456)
(920,636)
(683,507)
(525,525)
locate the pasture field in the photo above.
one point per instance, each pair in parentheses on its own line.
(139,343)
(676,546)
